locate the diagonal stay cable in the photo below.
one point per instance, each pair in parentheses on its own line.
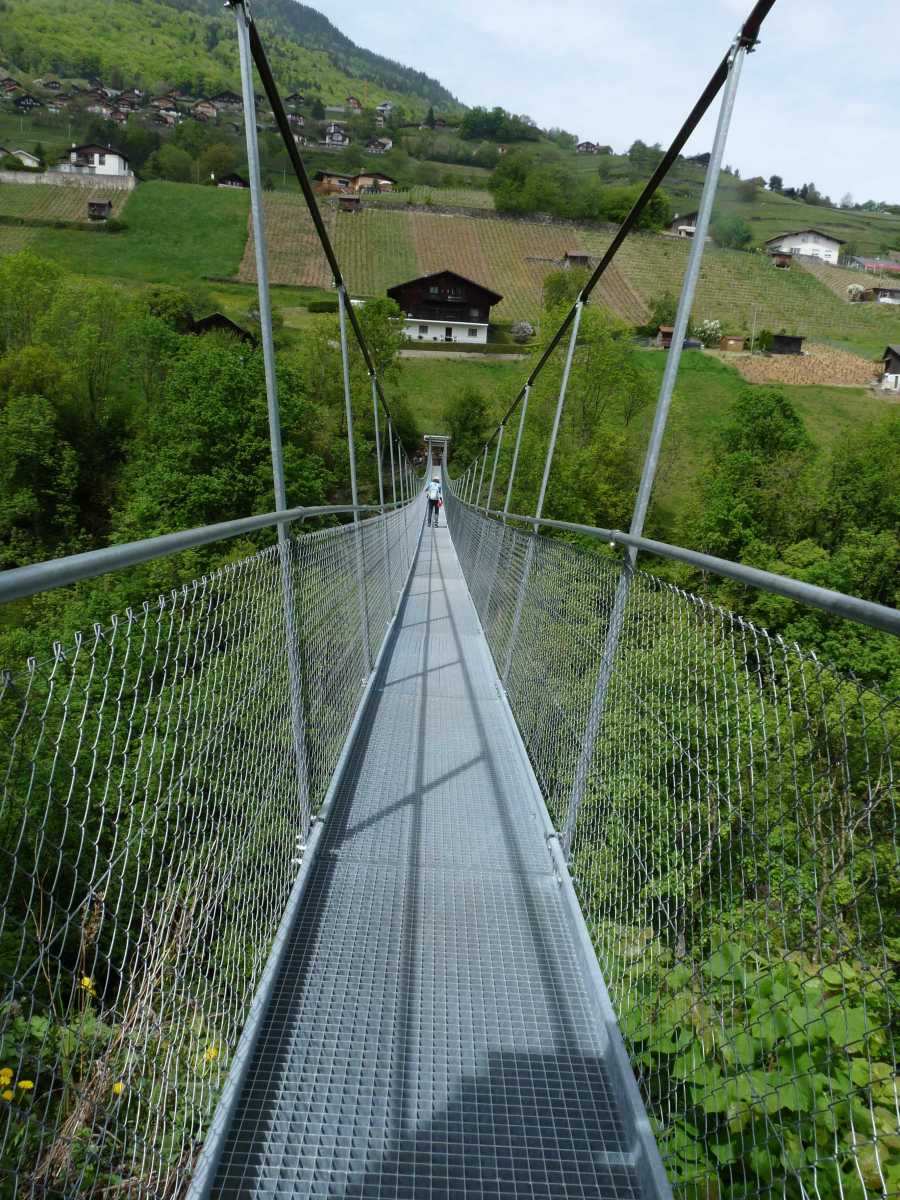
(748,37)
(271,89)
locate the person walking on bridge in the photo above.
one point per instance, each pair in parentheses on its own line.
(434,501)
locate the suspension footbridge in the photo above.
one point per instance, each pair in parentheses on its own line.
(405,861)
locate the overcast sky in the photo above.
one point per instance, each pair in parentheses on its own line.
(819,100)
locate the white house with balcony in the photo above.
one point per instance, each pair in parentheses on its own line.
(809,243)
(94,160)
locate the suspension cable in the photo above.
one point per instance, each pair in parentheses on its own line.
(747,38)
(268,81)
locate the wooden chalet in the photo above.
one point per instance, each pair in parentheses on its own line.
(204,110)
(353,104)
(295,100)
(587,148)
(226,100)
(885,291)
(218,323)
(890,361)
(27,102)
(445,307)
(8,85)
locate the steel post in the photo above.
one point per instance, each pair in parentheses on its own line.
(651,461)
(487,505)
(481,477)
(351,446)
(384,529)
(390,437)
(560,403)
(292,641)
(515,458)
(539,511)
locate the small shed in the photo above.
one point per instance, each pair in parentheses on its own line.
(664,336)
(576,258)
(786,343)
(232,180)
(218,323)
(732,343)
(99,208)
(349,203)
(782,259)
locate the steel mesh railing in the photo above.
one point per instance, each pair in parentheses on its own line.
(150,825)
(735,856)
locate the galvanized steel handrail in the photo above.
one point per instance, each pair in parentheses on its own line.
(19,582)
(865,612)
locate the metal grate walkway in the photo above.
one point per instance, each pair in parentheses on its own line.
(433,1032)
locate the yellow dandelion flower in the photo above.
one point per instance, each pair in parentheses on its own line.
(118,1087)
(5,1076)
(212,1053)
(88,984)
(9,1094)
(25,1084)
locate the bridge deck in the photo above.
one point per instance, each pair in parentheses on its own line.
(432,1031)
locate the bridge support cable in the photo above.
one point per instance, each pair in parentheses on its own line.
(292,632)
(481,476)
(746,40)
(264,70)
(651,460)
(515,457)
(490,495)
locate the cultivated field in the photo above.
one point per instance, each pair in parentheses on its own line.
(295,255)
(45,202)
(818,365)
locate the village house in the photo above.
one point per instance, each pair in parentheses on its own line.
(890,360)
(297,120)
(218,323)
(883,292)
(385,108)
(684,225)
(379,121)
(440,123)
(379,145)
(92,159)
(372,181)
(204,110)
(445,307)
(50,85)
(226,100)
(331,180)
(26,159)
(353,104)
(336,135)
(294,100)
(587,148)
(233,180)
(810,243)
(99,108)
(9,85)
(119,115)
(166,118)
(27,102)
(163,103)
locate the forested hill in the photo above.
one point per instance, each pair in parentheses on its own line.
(186,43)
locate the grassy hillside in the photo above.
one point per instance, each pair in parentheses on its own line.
(176,233)
(191,43)
(182,232)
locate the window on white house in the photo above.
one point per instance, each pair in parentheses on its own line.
(101,160)
(473,332)
(423,331)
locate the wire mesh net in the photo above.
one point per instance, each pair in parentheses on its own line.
(154,806)
(735,856)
